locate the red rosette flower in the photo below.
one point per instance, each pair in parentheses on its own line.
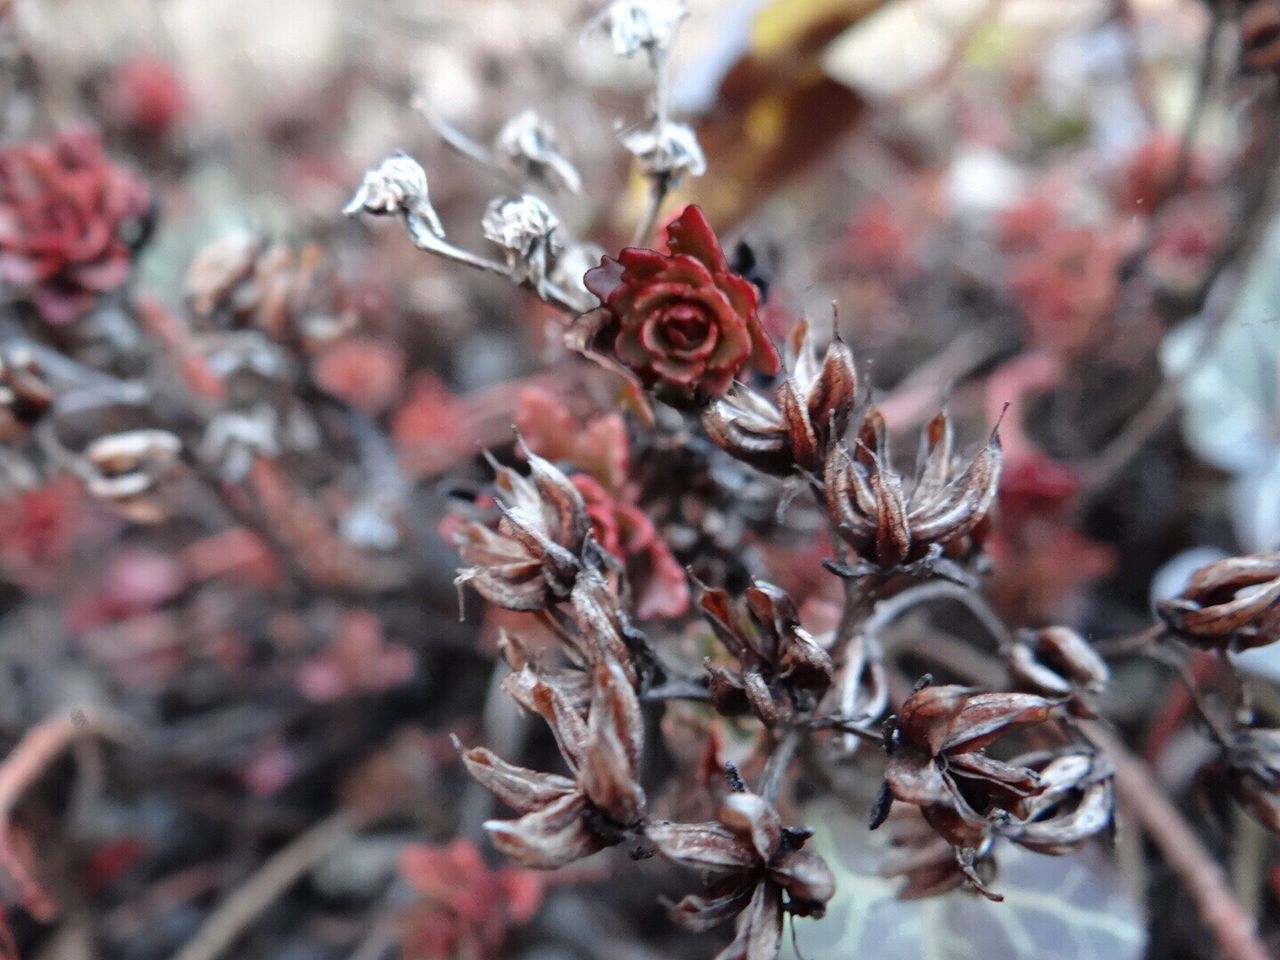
(64,212)
(682,321)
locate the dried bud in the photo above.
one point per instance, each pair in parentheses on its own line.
(636,25)
(666,152)
(525,229)
(940,520)
(527,144)
(533,557)
(1057,662)
(1232,603)
(126,468)
(399,186)
(810,411)
(754,862)
(782,670)
(1252,760)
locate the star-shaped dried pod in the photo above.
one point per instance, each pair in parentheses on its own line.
(810,410)
(1058,662)
(564,819)
(541,542)
(1252,761)
(1229,604)
(755,867)
(941,519)
(782,669)
(937,762)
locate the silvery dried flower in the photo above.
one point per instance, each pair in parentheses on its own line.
(1057,662)
(126,468)
(666,152)
(528,144)
(1230,603)
(570,269)
(525,228)
(398,186)
(944,515)
(234,439)
(636,25)
(810,410)
(534,556)
(757,869)
(563,819)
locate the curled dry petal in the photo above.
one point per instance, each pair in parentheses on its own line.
(614,740)
(1057,661)
(1231,603)
(709,846)
(750,815)
(806,878)
(521,789)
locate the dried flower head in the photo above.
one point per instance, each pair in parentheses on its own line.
(810,411)
(25,394)
(564,819)
(639,25)
(757,869)
(937,762)
(1075,802)
(525,228)
(666,152)
(782,670)
(398,186)
(1229,604)
(68,221)
(683,321)
(1058,662)
(127,468)
(942,518)
(533,557)
(528,145)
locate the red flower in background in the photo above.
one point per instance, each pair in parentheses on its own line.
(145,95)
(683,321)
(65,214)
(465,908)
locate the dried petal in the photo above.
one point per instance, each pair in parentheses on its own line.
(549,837)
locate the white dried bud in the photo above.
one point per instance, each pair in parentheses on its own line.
(666,152)
(570,269)
(399,186)
(525,228)
(125,469)
(636,25)
(528,144)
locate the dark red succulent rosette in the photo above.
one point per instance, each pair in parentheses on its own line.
(64,213)
(682,321)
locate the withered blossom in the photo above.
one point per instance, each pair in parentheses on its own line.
(525,229)
(756,868)
(528,144)
(937,762)
(1075,801)
(666,152)
(639,25)
(25,393)
(1229,604)
(1058,662)
(398,186)
(942,519)
(782,670)
(563,819)
(810,410)
(534,555)
(125,470)
(924,861)
(1252,761)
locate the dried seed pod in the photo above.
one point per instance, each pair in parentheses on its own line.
(810,411)
(127,468)
(1075,803)
(1057,662)
(1229,604)
(940,520)
(782,669)
(533,557)
(666,152)
(398,186)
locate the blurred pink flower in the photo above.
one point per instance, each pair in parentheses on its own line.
(64,213)
(358,661)
(365,374)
